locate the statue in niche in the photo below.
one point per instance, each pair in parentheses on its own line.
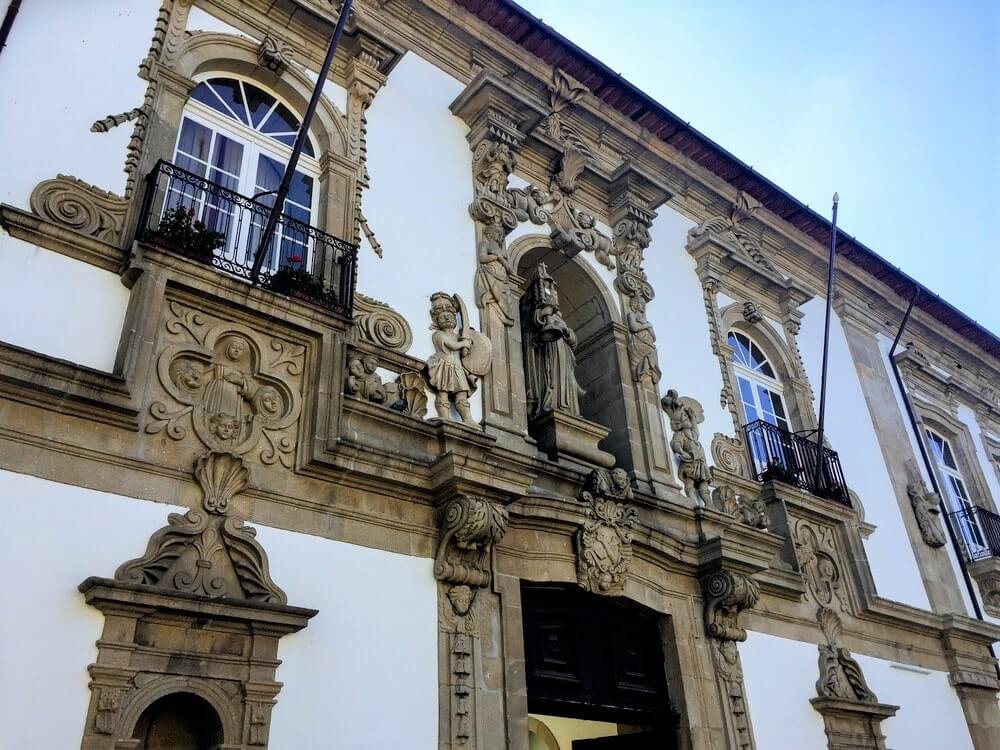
(549,343)
(458,359)
(492,283)
(685,416)
(642,342)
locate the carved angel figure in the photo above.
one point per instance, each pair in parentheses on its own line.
(685,416)
(550,362)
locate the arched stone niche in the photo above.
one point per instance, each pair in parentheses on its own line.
(592,311)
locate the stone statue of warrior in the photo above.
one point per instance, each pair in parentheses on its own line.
(549,361)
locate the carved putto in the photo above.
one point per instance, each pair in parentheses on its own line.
(751,511)
(726,595)
(604,542)
(459,358)
(364,381)
(927,510)
(642,343)
(685,415)
(234,390)
(208,552)
(840,675)
(549,343)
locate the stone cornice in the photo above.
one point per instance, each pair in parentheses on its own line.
(51,236)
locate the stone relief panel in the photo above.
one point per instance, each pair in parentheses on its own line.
(237,389)
(604,542)
(817,556)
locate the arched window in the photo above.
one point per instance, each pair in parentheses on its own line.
(238,136)
(956,491)
(760,391)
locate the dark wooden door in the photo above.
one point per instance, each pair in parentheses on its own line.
(594,657)
(642,741)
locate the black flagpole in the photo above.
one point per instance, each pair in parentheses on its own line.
(820,463)
(300,140)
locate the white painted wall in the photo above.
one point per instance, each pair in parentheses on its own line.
(421,173)
(678,317)
(852,434)
(59,306)
(363,674)
(82,59)
(779,676)
(200,20)
(930,716)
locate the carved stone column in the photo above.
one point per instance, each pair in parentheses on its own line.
(498,121)
(632,198)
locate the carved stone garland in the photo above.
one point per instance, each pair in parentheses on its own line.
(233,385)
(727,594)
(604,542)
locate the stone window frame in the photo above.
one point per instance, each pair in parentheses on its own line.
(790,373)
(203,55)
(937,419)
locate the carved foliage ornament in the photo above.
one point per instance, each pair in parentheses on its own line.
(208,551)
(840,676)
(604,542)
(726,595)
(81,207)
(735,227)
(274,54)
(235,385)
(470,526)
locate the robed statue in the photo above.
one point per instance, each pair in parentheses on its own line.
(549,359)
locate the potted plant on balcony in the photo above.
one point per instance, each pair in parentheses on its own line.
(293,279)
(180,232)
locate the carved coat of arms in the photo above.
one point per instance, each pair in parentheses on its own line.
(604,542)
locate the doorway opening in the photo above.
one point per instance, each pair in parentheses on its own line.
(595,672)
(180,721)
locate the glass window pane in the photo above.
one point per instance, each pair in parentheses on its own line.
(195,140)
(300,191)
(959,486)
(776,405)
(258,102)
(229,92)
(746,390)
(269,173)
(280,121)
(186,162)
(206,95)
(949,458)
(741,350)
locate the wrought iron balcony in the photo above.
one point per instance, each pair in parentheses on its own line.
(208,223)
(978,532)
(792,458)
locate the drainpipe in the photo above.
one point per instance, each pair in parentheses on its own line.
(914,425)
(8,21)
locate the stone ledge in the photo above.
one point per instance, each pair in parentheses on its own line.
(46,234)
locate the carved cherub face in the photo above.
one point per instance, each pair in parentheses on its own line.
(224,428)
(235,348)
(356,368)
(619,478)
(370,365)
(267,401)
(186,375)
(445,319)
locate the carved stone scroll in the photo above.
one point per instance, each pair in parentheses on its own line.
(840,676)
(208,552)
(726,595)
(470,526)
(604,542)
(927,510)
(729,454)
(81,207)
(379,324)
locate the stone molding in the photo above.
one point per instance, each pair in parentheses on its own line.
(61,239)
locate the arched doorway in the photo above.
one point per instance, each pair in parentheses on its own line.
(595,670)
(586,310)
(180,721)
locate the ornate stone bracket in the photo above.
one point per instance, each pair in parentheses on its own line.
(818,560)
(275,54)
(729,454)
(604,542)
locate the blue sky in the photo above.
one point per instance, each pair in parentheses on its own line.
(895,105)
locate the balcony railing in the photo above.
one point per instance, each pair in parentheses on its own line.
(208,223)
(978,532)
(792,458)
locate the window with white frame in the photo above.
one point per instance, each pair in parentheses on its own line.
(238,136)
(955,490)
(758,385)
